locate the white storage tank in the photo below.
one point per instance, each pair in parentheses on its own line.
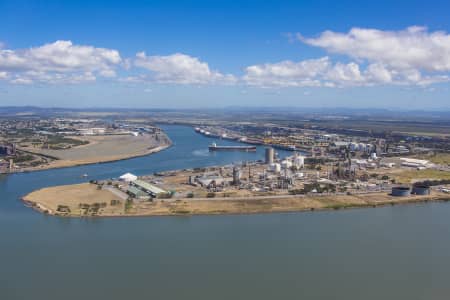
(286,164)
(299,161)
(275,167)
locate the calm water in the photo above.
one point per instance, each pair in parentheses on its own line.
(400,252)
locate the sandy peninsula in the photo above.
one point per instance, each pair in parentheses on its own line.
(101,149)
(86,199)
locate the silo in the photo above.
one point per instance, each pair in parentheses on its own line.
(236,176)
(269,155)
(421,190)
(401,191)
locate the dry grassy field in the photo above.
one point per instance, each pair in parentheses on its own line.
(409,176)
(74,195)
(101,149)
(103,146)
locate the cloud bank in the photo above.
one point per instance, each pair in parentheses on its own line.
(366,57)
(58,62)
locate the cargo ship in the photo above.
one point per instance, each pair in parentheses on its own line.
(215,147)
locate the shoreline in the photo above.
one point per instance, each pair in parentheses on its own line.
(76,163)
(244,205)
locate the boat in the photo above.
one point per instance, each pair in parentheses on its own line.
(84,175)
(215,147)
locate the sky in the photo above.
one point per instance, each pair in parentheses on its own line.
(206,54)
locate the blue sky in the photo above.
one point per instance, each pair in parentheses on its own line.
(178,54)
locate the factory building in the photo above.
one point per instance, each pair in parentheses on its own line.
(415,163)
(136,193)
(8,150)
(210,180)
(92,131)
(148,188)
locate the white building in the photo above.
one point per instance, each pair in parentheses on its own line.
(415,163)
(128,177)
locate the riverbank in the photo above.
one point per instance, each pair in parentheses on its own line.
(86,199)
(101,149)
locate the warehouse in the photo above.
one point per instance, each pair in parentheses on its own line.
(148,188)
(415,163)
(136,193)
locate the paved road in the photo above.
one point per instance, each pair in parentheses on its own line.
(116,192)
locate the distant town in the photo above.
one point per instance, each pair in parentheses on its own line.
(28,144)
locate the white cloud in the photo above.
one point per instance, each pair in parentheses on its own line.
(61,61)
(181,69)
(412,56)
(19,80)
(287,73)
(345,74)
(412,48)
(378,73)
(306,73)
(323,73)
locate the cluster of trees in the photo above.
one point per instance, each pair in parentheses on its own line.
(128,204)
(23,158)
(114,202)
(92,208)
(432,182)
(167,195)
(63,209)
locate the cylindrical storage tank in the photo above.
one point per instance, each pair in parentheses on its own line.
(299,161)
(269,155)
(401,191)
(421,190)
(275,168)
(286,164)
(236,175)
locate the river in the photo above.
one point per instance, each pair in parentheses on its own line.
(400,252)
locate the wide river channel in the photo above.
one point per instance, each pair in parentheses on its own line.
(399,252)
